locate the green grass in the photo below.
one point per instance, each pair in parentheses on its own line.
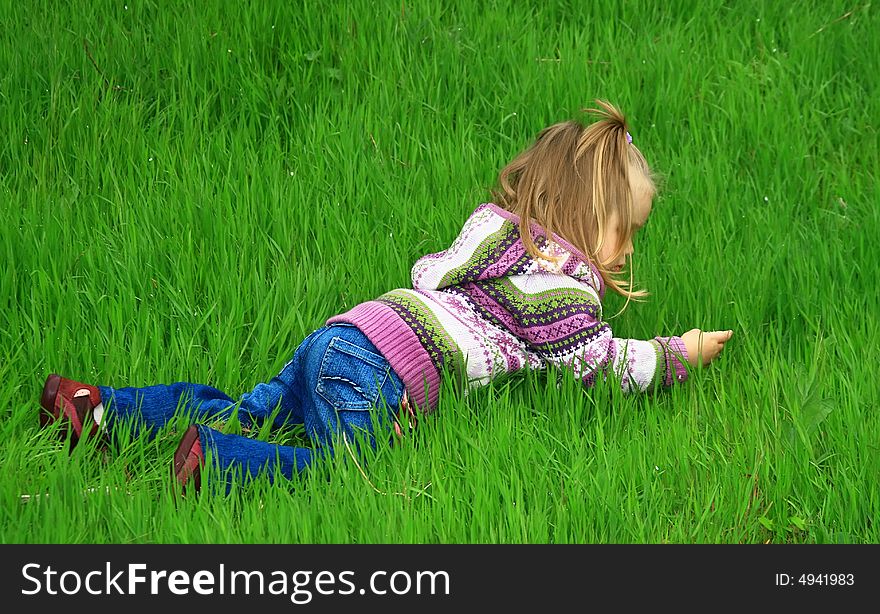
(189,191)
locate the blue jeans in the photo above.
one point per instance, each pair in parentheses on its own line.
(337,383)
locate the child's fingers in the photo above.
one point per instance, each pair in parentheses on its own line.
(721,336)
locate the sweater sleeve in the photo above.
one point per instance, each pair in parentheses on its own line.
(559,319)
(645,365)
(639,365)
(579,339)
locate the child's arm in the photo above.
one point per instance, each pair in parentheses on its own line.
(644,365)
(592,352)
(560,320)
(574,335)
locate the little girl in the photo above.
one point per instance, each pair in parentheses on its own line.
(506,295)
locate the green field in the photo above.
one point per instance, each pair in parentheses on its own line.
(188,191)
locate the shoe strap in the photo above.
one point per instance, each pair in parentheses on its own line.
(82,405)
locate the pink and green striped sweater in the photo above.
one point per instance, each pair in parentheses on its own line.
(484,307)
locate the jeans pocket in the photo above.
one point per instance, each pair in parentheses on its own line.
(351,377)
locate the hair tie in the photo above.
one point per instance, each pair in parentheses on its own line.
(629,138)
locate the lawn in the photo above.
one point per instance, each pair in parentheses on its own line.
(189,190)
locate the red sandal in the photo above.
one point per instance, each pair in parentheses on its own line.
(189,459)
(71,403)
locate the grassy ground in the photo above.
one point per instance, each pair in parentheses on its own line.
(187,192)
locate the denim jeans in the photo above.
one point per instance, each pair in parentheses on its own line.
(336,383)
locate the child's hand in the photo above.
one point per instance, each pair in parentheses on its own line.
(705,345)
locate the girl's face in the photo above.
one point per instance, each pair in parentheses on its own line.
(614,234)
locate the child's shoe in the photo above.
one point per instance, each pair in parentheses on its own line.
(73,404)
(189,459)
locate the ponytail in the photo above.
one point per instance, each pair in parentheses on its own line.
(572,180)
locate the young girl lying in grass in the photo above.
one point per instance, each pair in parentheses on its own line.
(503,297)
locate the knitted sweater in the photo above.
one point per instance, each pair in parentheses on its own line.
(484,307)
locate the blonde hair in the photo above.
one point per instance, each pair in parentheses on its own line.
(571,180)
